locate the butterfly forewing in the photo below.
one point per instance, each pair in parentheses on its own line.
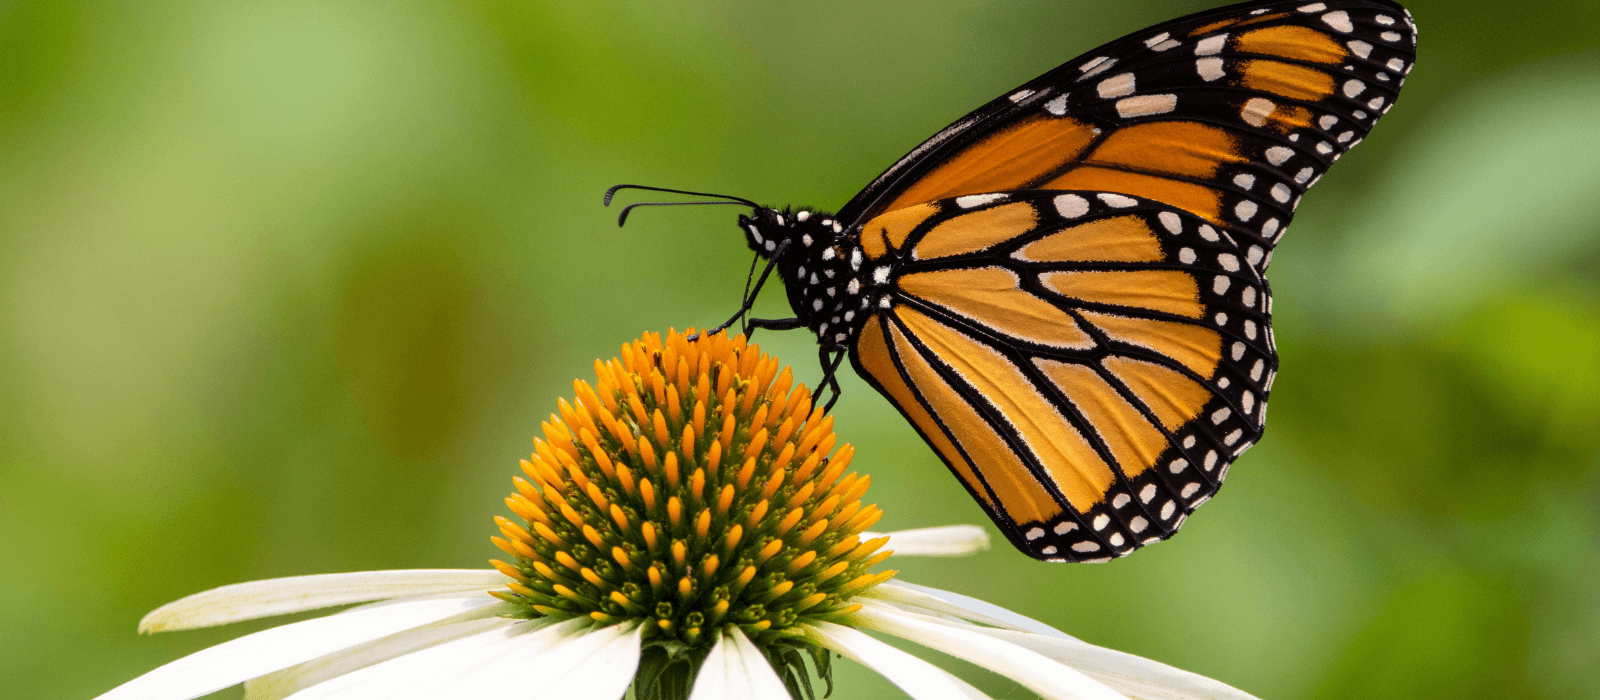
(1229,115)
(1087,363)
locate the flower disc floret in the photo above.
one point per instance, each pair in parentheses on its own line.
(691,488)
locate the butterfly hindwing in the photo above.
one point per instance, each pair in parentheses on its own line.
(1087,363)
(1229,115)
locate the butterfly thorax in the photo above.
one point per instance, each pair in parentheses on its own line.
(820,263)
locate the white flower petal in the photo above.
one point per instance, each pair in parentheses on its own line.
(236,661)
(281,684)
(278,596)
(1034,671)
(913,596)
(735,670)
(920,679)
(462,667)
(1134,676)
(946,541)
(590,671)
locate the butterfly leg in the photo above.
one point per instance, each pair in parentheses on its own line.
(750,295)
(830,374)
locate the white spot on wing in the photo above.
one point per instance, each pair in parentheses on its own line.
(1360,48)
(1117,200)
(1229,262)
(1245,210)
(977,200)
(1211,45)
(1209,69)
(1278,155)
(1145,105)
(1171,222)
(1019,95)
(1353,88)
(1117,85)
(1152,41)
(1097,66)
(1280,192)
(1245,181)
(1339,21)
(1256,111)
(1057,106)
(1072,206)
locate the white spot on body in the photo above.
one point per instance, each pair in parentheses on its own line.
(881,275)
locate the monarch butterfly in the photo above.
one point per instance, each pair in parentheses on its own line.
(1063,291)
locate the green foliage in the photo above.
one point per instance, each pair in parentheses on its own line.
(287,288)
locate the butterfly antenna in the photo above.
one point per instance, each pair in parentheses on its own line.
(738,200)
(624,217)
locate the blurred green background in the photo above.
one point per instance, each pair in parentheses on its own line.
(287,287)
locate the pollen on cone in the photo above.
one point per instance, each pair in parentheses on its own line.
(684,487)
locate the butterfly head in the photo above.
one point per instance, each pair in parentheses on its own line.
(768,231)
